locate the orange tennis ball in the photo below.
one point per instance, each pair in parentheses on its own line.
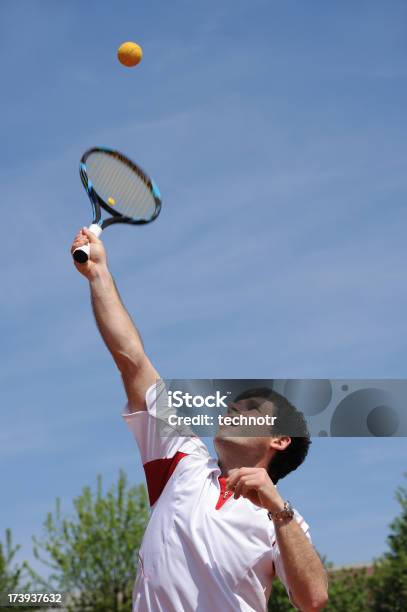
(129,54)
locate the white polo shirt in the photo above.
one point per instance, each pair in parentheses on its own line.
(201,552)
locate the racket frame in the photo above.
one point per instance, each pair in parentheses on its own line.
(98,203)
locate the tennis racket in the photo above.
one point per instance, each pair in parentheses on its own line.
(116,184)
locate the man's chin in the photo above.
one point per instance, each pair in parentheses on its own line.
(227,435)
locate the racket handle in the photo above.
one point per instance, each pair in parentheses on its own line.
(81,254)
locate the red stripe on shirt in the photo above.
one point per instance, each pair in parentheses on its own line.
(158,472)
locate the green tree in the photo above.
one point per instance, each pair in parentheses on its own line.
(389,581)
(93,556)
(12,575)
(348,590)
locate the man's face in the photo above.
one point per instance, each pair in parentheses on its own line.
(251,441)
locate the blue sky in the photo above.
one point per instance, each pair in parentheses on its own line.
(276,132)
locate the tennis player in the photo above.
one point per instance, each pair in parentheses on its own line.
(219,530)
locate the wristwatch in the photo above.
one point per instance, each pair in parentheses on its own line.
(286,514)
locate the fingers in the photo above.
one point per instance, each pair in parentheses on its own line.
(236,474)
(244,480)
(84,236)
(246,483)
(79,240)
(238,488)
(90,235)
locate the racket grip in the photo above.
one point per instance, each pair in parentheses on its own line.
(81,254)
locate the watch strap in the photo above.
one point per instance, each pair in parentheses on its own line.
(285,514)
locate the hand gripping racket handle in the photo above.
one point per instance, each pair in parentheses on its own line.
(81,254)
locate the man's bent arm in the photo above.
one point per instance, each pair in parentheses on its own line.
(305,574)
(115,325)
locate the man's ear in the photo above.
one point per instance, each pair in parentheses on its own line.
(280,443)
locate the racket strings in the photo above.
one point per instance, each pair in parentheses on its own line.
(126,188)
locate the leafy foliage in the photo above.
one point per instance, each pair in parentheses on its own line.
(389,581)
(93,555)
(348,590)
(11,576)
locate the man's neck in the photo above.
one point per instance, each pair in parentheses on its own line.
(227,465)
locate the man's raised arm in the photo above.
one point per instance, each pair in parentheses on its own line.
(115,325)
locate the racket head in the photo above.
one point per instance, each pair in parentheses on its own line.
(119,186)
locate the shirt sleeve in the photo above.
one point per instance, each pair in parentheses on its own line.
(161,445)
(276,555)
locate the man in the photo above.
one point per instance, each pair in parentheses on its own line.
(219,531)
